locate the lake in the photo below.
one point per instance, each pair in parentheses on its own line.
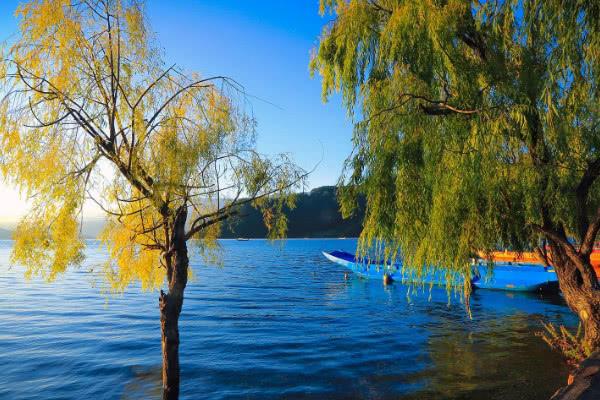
(273,322)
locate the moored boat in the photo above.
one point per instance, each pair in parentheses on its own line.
(506,256)
(531,258)
(520,277)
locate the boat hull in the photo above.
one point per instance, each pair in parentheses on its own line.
(518,278)
(376,270)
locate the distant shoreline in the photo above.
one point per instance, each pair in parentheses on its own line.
(316,216)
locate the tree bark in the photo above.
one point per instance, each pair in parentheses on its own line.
(170,305)
(581,290)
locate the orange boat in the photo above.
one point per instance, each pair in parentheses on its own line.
(530,257)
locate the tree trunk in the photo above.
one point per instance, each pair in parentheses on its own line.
(586,303)
(586,381)
(579,285)
(170,305)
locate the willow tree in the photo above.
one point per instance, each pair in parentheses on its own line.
(90,111)
(478,127)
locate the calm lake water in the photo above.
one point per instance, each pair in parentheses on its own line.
(273,323)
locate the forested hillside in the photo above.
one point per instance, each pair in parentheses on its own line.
(316,215)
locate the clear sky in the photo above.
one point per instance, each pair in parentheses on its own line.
(263,44)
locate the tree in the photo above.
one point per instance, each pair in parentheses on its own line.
(478,127)
(90,111)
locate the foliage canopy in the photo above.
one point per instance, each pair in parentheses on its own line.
(91,111)
(478,122)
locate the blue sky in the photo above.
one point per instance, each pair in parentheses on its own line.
(265,45)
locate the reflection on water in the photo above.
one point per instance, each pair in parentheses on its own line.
(499,361)
(274,323)
(144,384)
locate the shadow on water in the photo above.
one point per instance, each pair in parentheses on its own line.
(487,365)
(146,383)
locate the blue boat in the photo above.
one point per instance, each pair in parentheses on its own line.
(503,276)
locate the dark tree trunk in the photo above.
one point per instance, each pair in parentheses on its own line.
(586,381)
(170,305)
(579,285)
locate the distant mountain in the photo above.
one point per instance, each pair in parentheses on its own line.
(90,229)
(5,234)
(316,215)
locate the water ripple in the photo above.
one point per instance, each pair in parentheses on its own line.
(274,322)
